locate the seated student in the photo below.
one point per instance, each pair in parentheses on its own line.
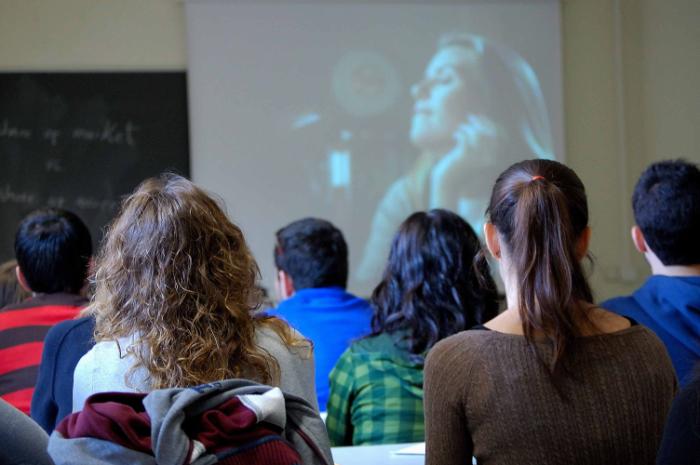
(666,204)
(429,291)
(553,379)
(53,250)
(681,442)
(311,257)
(174,302)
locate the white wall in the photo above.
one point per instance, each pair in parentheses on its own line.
(618,120)
(71,35)
(657,93)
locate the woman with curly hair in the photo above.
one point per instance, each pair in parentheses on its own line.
(429,291)
(175,302)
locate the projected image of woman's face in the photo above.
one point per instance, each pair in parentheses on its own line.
(444,98)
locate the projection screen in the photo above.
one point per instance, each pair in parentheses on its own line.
(363,112)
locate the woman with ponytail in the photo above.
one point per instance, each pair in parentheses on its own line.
(554,379)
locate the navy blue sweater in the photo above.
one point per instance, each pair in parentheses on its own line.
(64,345)
(681,442)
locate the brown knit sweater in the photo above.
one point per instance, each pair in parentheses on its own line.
(487,395)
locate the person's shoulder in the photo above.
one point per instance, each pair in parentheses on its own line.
(77,331)
(109,352)
(651,349)
(643,336)
(656,290)
(269,339)
(106,357)
(65,327)
(465,343)
(383,343)
(266,333)
(621,305)
(638,342)
(362,306)
(471,348)
(455,360)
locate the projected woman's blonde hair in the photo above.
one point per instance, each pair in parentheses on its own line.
(505,76)
(177,275)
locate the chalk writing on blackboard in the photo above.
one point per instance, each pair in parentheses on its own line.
(10,195)
(110,132)
(10,131)
(82,141)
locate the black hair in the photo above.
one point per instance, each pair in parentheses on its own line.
(53,249)
(313,253)
(431,287)
(666,203)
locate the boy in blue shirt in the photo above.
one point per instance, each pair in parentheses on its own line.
(666,204)
(311,257)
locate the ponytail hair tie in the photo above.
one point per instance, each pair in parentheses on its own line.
(535,178)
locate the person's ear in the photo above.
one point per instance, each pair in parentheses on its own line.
(492,241)
(638,239)
(22,280)
(285,285)
(583,242)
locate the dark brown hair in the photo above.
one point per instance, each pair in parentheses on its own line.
(539,209)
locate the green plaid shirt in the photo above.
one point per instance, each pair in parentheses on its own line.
(376,395)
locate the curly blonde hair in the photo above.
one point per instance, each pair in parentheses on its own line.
(176,275)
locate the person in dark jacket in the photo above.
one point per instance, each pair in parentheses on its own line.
(681,442)
(666,204)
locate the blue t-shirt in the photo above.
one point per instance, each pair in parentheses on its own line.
(331,318)
(670,307)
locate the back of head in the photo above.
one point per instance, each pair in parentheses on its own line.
(540,212)
(313,253)
(666,204)
(53,249)
(177,274)
(431,287)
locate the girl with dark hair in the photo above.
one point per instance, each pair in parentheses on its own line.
(429,291)
(553,379)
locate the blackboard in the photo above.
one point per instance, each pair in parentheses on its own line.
(81,141)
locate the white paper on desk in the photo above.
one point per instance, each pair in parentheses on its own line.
(416,449)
